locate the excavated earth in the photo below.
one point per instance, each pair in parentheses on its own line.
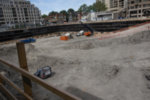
(92,69)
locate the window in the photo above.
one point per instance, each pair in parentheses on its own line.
(1,12)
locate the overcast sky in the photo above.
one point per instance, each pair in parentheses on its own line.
(57,5)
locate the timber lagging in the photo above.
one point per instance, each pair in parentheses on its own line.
(107,26)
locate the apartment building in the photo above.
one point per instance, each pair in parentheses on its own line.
(118,5)
(114,5)
(138,8)
(18,11)
(129,8)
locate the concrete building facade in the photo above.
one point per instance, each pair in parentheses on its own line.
(18,11)
(128,8)
(138,8)
(117,5)
(114,5)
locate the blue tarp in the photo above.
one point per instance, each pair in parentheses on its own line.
(29,40)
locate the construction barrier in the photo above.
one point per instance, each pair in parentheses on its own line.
(65,38)
(87,33)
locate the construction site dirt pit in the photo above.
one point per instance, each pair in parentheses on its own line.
(89,68)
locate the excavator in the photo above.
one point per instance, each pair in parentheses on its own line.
(90,29)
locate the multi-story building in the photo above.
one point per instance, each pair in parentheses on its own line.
(138,8)
(128,8)
(18,11)
(114,5)
(117,5)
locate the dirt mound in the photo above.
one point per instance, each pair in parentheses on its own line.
(143,36)
(94,43)
(104,72)
(135,39)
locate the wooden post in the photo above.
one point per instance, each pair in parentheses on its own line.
(1,81)
(23,64)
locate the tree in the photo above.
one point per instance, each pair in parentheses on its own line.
(99,6)
(53,13)
(64,15)
(71,11)
(44,16)
(90,8)
(63,12)
(72,14)
(83,9)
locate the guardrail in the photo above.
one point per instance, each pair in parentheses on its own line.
(27,77)
(3,78)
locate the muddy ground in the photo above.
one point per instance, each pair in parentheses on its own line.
(92,69)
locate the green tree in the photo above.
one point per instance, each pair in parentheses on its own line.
(90,8)
(64,15)
(83,9)
(72,14)
(71,11)
(44,16)
(99,6)
(63,12)
(52,13)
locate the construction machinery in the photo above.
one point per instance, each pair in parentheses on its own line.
(90,29)
(44,72)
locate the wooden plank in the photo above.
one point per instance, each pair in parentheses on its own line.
(9,95)
(23,64)
(14,86)
(1,80)
(61,93)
